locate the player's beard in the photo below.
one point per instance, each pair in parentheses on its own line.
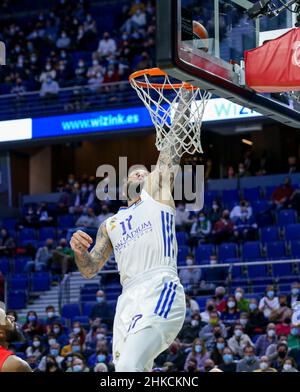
(133,189)
(14,335)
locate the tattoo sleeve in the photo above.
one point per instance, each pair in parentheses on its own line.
(89,264)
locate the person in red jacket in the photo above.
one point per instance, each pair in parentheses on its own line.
(282,194)
(9,362)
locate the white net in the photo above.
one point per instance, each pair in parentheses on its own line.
(175,110)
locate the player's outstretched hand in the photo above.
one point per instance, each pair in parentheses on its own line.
(80,241)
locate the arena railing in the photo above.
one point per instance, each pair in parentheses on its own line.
(69,100)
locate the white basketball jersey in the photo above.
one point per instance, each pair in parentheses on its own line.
(143,237)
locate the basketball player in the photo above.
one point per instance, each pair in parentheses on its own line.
(9,333)
(151,309)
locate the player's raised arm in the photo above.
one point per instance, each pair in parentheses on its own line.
(89,264)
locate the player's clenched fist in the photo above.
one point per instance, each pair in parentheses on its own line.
(80,241)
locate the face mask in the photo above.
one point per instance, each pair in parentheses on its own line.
(50,314)
(287,366)
(210,308)
(249,358)
(54,352)
(295,291)
(31,318)
(243,321)
(189,262)
(76,330)
(214,321)
(56,330)
(51,342)
(48,67)
(282,354)
(270,294)
(36,343)
(84,189)
(100,300)
(194,323)
(214,206)
(101,358)
(220,346)
(76,349)
(252,307)
(238,295)
(202,219)
(263,365)
(77,368)
(238,333)
(294,331)
(227,358)
(231,304)
(271,333)
(100,336)
(198,348)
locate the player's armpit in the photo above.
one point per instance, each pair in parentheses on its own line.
(14,364)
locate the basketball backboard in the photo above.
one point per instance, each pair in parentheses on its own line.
(213,56)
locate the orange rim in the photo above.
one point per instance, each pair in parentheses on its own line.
(157,72)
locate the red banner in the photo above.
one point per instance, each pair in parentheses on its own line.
(275,66)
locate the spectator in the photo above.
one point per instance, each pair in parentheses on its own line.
(228,365)
(79,332)
(107,45)
(239,341)
(295,294)
(63,42)
(289,366)
(283,312)
(223,229)
(36,349)
(282,351)
(257,321)
(282,194)
(210,308)
(271,351)
(52,317)
(217,351)
(294,337)
(49,89)
(269,303)
(32,326)
(264,341)
(200,230)
(190,330)
(219,298)
(88,219)
(209,366)
(190,277)
(192,304)
(242,171)
(54,351)
(104,214)
(7,243)
(192,366)
(212,331)
(264,365)
(78,364)
(284,327)
(59,334)
(182,219)
(231,313)
(243,209)
(198,353)
(101,309)
(43,256)
(293,165)
(213,275)
(100,368)
(63,257)
(242,303)
(231,172)
(245,227)
(249,363)
(51,365)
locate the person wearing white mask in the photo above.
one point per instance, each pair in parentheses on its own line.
(239,341)
(242,303)
(295,295)
(101,309)
(35,349)
(198,353)
(264,341)
(264,366)
(269,302)
(190,277)
(289,366)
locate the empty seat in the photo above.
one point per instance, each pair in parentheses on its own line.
(295,249)
(276,250)
(252,194)
(203,252)
(70,311)
(4,265)
(183,251)
(280,270)
(40,282)
(230,195)
(210,196)
(16,299)
(286,217)
(260,206)
(269,191)
(269,234)
(87,308)
(47,232)
(181,237)
(26,234)
(292,232)
(18,282)
(20,264)
(257,271)
(65,221)
(227,251)
(251,250)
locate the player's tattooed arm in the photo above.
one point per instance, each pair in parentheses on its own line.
(90,263)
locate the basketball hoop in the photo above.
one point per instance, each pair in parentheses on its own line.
(176,110)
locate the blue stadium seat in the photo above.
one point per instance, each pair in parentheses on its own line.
(269,234)
(181,237)
(236,272)
(87,308)
(18,282)
(286,217)
(210,196)
(203,253)
(251,250)
(260,206)
(4,265)
(202,302)
(269,191)
(276,250)
(10,223)
(47,232)
(295,249)
(292,232)
(16,299)
(82,319)
(65,221)
(183,251)
(280,270)
(26,234)
(232,260)
(230,195)
(257,271)
(227,251)
(87,297)
(252,194)
(20,264)
(40,282)
(70,311)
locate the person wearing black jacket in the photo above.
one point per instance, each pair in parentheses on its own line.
(228,366)
(256,322)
